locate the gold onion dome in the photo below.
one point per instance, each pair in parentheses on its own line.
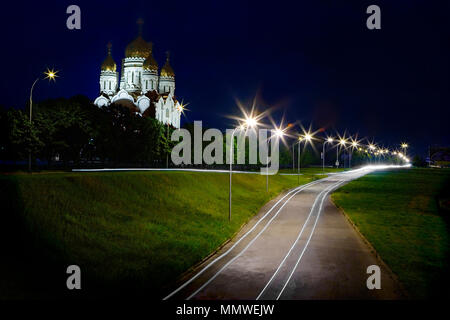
(150,63)
(167,70)
(138,48)
(109,64)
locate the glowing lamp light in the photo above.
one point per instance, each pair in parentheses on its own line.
(308,137)
(181,107)
(250,122)
(342,142)
(51,74)
(279,133)
(330,140)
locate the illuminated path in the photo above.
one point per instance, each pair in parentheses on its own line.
(298,247)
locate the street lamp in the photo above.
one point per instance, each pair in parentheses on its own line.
(354,145)
(279,133)
(249,122)
(51,75)
(307,137)
(372,149)
(342,143)
(329,140)
(404,147)
(299,141)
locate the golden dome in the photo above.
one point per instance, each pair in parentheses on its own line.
(150,63)
(167,70)
(138,48)
(109,64)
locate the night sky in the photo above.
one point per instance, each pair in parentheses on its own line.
(315,61)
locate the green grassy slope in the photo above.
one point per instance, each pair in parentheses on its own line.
(402,214)
(134,229)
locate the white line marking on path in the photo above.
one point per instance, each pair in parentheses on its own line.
(307,243)
(247,246)
(296,240)
(298,189)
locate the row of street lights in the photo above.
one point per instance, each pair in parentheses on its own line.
(352,145)
(251,122)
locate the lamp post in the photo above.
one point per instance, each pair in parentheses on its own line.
(293,157)
(307,138)
(354,145)
(342,143)
(372,150)
(404,147)
(50,74)
(337,157)
(278,133)
(249,123)
(299,159)
(329,140)
(167,153)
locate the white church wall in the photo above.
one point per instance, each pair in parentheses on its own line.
(122,94)
(143,103)
(101,101)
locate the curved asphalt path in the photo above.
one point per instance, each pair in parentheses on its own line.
(298,247)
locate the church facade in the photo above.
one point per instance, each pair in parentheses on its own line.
(142,86)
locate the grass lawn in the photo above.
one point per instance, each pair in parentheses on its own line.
(405,215)
(138,230)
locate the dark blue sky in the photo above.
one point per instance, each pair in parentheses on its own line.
(315,60)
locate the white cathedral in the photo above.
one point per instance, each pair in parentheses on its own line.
(141,87)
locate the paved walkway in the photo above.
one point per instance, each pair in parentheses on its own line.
(298,247)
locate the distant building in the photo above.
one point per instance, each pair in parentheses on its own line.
(142,85)
(439,157)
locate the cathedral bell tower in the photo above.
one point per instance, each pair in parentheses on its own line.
(167,78)
(108,75)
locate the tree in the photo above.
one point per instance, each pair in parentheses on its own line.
(66,126)
(24,136)
(419,161)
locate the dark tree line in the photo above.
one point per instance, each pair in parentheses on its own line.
(73,132)
(67,133)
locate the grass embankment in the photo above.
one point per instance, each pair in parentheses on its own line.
(138,230)
(405,215)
